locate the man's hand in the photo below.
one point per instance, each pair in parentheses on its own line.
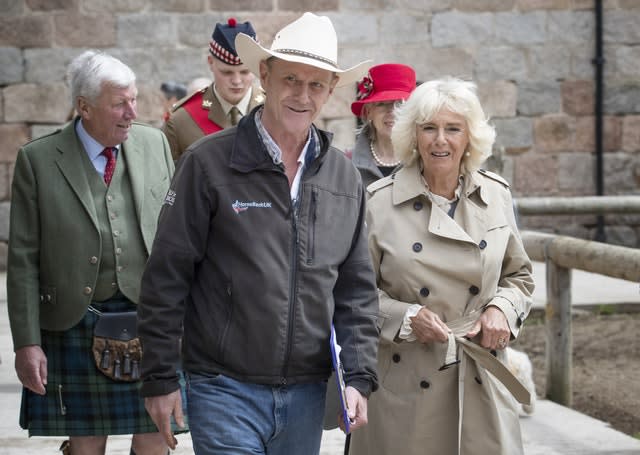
(31,367)
(160,408)
(356,409)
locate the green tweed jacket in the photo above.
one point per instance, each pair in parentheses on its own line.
(54,239)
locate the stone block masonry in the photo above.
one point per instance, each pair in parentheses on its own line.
(532,60)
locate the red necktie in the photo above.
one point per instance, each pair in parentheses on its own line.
(111,164)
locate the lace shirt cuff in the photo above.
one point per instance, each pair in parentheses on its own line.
(405,330)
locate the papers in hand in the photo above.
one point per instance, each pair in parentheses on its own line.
(337,366)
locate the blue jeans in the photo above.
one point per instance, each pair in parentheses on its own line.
(237,418)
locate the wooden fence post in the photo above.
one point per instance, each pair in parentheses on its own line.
(559,345)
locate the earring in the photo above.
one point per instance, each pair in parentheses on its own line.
(467,154)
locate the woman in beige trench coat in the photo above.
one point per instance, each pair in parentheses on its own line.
(454,283)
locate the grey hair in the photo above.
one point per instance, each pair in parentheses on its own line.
(455,95)
(91,69)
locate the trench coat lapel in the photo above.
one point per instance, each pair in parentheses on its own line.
(408,185)
(472,211)
(70,164)
(441,224)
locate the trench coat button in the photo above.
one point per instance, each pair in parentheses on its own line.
(396,358)
(425,384)
(417,247)
(41,298)
(424,292)
(474,290)
(93,260)
(87,290)
(417,205)
(520,320)
(118,250)
(114,285)
(482,245)
(48,297)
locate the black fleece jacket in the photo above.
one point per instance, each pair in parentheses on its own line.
(252,282)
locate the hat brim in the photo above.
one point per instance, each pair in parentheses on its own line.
(251,53)
(387,95)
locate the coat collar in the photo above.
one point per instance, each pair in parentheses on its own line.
(474,187)
(217,113)
(70,164)
(408,185)
(361,157)
(249,153)
(470,222)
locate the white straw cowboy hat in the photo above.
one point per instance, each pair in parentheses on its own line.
(309,39)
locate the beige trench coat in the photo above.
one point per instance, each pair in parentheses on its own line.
(454,268)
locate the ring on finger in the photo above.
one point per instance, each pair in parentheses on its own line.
(502,342)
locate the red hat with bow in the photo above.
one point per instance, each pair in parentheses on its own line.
(386,82)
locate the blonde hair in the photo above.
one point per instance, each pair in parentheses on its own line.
(429,98)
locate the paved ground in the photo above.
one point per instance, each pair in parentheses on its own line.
(551,430)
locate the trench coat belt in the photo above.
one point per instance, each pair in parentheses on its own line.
(482,356)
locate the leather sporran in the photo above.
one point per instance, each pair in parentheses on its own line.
(116,347)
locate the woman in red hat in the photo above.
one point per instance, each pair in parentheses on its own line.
(378,93)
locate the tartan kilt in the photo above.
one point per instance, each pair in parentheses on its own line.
(79,399)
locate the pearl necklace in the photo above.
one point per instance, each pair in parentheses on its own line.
(377,159)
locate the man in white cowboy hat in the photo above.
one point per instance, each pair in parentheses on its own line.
(261,247)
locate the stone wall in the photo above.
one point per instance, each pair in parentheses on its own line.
(532,60)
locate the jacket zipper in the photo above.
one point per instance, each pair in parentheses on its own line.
(229,292)
(293,271)
(295,245)
(311,244)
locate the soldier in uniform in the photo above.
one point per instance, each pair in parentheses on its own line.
(225,101)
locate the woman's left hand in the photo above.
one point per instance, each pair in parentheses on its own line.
(493,328)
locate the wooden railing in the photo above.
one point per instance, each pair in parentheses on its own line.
(582,205)
(562,254)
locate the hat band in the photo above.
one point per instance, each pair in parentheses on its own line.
(306,54)
(222,54)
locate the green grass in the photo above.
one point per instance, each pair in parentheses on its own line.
(606,310)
